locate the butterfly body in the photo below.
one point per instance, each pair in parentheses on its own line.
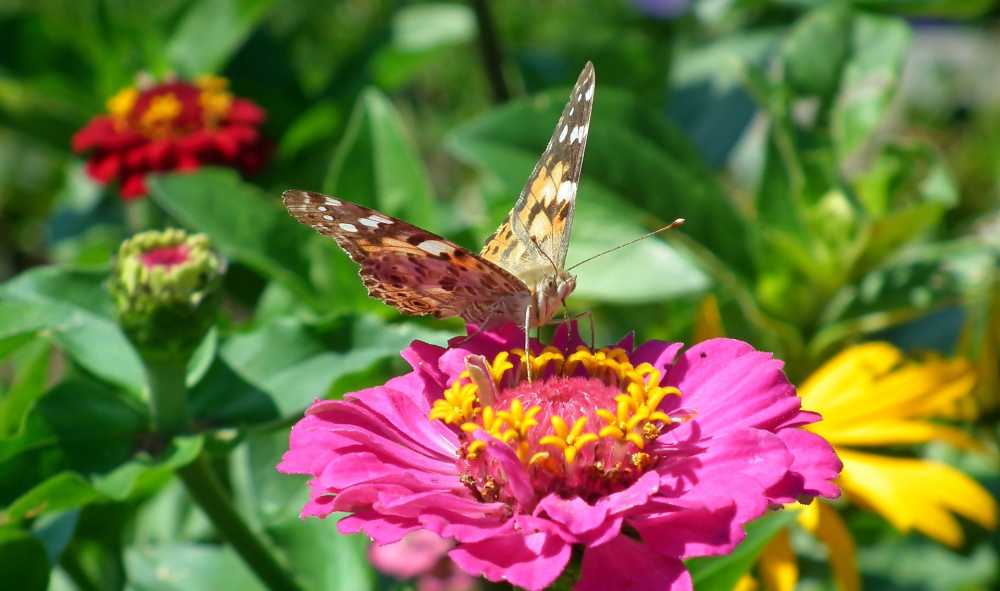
(520,274)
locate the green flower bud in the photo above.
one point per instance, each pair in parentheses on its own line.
(165,286)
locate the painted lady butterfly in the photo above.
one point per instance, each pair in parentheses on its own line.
(520,274)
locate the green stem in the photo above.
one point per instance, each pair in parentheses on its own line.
(168,392)
(491,51)
(205,488)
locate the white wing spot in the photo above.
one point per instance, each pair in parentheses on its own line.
(333,202)
(348,227)
(321,208)
(328,218)
(590,92)
(566,191)
(573,137)
(562,134)
(435,247)
(380,219)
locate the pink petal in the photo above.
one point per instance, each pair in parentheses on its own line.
(531,561)
(730,385)
(814,461)
(624,564)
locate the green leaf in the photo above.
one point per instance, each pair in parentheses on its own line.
(965,9)
(721,573)
(426,26)
(187,567)
(294,365)
(926,279)
(870,80)
(29,385)
(23,562)
(377,164)
(75,308)
(310,543)
(70,490)
(242,222)
(210,32)
(814,50)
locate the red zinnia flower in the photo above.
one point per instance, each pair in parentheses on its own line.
(174,125)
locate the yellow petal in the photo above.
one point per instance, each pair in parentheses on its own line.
(707,321)
(892,432)
(873,381)
(776,566)
(917,494)
(746,583)
(825,523)
(847,374)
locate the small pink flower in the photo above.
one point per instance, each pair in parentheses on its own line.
(641,457)
(422,555)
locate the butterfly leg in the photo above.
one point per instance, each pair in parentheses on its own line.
(588,314)
(527,339)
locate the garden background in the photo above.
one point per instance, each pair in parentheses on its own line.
(838,164)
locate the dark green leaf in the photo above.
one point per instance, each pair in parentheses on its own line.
(23,562)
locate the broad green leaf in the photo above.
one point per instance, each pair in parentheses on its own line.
(187,567)
(377,164)
(721,573)
(295,365)
(310,543)
(76,310)
(814,50)
(23,562)
(926,279)
(871,77)
(28,387)
(56,531)
(242,222)
(426,26)
(70,490)
(210,32)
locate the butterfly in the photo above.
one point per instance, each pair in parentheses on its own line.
(519,276)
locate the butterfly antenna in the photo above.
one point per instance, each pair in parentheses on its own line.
(670,226)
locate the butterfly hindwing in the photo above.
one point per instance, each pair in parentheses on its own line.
(409,268)
(543,213)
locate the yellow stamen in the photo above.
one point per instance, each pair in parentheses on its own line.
(160,113)
(121,104)
(570,441)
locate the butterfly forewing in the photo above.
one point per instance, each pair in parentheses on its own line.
(536,233)
(411,269)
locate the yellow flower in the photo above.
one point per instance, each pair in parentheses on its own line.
(870,395)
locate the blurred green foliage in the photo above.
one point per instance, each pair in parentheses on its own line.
(837,163)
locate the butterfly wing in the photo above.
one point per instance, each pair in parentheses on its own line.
(413,270)
(537,229)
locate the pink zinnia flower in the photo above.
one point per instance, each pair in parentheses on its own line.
(171,126)
(640,457)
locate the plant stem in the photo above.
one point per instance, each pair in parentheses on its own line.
(205,488)
(168,393)
(490,51)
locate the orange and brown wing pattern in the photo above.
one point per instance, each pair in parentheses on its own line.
(543,214)
(411,269)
